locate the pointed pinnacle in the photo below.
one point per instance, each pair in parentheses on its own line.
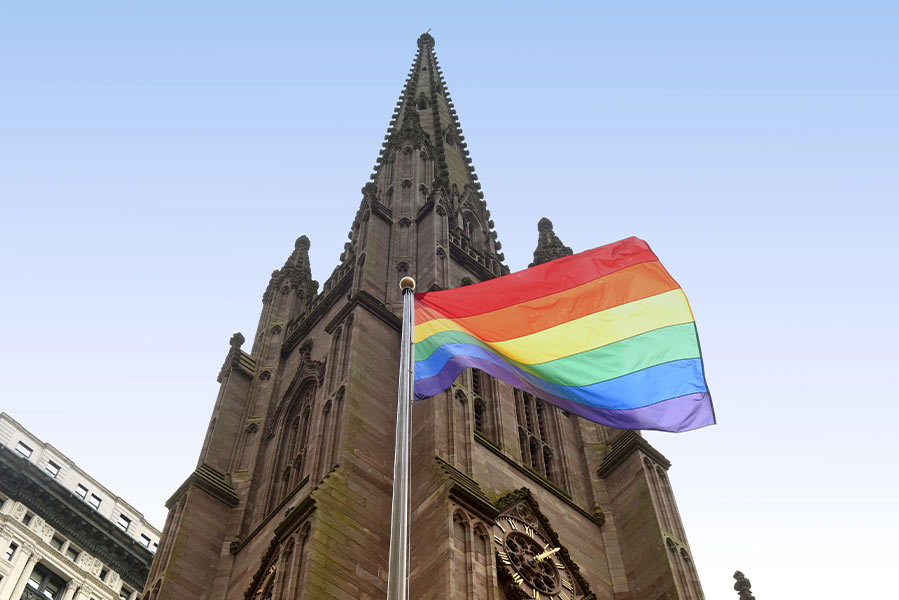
(549,246)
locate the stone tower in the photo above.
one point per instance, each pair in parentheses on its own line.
(291,494)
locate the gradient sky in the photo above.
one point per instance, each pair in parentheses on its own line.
(157,161)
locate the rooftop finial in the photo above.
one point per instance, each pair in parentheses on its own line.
(743,586)
(549,246)
(426,39)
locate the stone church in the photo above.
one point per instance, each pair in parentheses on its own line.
(511,498)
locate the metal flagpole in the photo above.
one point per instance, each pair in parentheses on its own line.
(398,567)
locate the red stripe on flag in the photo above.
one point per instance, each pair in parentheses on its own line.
(542,280)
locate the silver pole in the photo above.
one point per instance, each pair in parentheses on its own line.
(398,567)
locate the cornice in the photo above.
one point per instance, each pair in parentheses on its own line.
(73,518)
(466,490)
(625,445)
(210,481)
(236,548)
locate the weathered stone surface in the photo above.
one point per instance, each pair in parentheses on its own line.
(295,502)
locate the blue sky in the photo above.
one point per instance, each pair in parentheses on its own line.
(157,161)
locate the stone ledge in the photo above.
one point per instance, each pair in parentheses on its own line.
(210,481)
(467,491)
(534,476)
(626,444)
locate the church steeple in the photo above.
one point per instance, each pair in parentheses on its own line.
(293,481)
(426,195)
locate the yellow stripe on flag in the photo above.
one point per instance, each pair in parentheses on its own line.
(586,333)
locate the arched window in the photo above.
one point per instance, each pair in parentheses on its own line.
(422,101)
(480,409)
(535,434)
(292,440)
(461,555)
(483,403)
(333,373)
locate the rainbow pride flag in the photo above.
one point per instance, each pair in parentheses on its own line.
(606,334)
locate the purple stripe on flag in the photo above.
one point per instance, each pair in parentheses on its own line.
(681,413)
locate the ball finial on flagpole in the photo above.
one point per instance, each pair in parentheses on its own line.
(407,283)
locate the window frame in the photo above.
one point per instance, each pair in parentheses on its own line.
(21,445)
(11,550)
(55,466)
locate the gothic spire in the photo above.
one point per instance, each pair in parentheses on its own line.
(549,246)
(435,123)
(296,272)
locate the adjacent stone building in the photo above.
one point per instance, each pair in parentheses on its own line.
(63,535)
(291,494)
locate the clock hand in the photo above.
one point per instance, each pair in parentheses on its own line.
(546,554)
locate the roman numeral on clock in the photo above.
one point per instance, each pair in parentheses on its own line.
(528,530)
(563,595)
(504,557)
(535,594)
(498,540)
(567,585)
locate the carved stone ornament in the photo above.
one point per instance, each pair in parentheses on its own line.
(742,586)
(411,132)
(252,427)
(265,375)
(233,356)
(531,562)
(549,246)
(234,546)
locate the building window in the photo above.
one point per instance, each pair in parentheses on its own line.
(145,541)
(11,551)
(534,434)
(26,520)
(155,547)
(103,573)
(53,469)
(81,492)
(483,410)
(94,501)
(124,522)
(24,450)
(57,542)
(125,594)
(72,554)
(45,583)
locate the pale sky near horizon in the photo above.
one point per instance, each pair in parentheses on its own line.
(157,161)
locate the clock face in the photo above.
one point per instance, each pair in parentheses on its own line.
(531,561)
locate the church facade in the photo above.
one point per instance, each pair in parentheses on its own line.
(511,497)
